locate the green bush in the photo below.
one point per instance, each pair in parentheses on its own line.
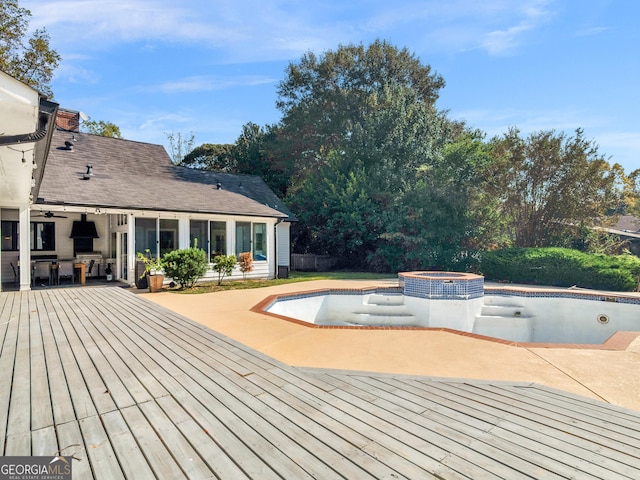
(562,267)
(224,265)
(185,266)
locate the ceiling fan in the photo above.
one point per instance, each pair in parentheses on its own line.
(49,214)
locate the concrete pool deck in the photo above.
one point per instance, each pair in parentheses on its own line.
(608,375)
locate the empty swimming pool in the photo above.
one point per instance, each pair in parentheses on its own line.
(461,302)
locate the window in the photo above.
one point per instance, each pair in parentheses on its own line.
(168,236)
(243,237)
(218,236)
(198,234)
(149,236)
(245,240)
(259,241)
(10,236)
(146,235)
(42,236)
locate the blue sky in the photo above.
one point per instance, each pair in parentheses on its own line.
(209,67)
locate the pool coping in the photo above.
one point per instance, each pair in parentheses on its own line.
(620,340)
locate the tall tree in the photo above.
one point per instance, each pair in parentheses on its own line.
(179,145)
(210,156)
(28,59)
(102,128)
(438,219)
(375,199)
(324,98)
(258,151)
(549,184)
(337,213)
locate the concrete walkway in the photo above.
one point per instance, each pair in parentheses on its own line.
(611,376)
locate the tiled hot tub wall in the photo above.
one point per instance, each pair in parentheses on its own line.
(457,297)
(441,285)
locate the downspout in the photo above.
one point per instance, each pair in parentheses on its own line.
(24,137)
(275,245)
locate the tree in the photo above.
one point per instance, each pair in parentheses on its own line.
(324,98)
(224,265)
(245,262)
(102,128)
(30,60)
(179,145)
(364,138)
(210,156)
(550,184)
(258,151)
(337,213)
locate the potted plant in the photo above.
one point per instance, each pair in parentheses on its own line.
(108,272)
(152,270)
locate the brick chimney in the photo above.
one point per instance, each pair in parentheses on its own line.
(68,120)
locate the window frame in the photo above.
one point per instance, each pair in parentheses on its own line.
(213,242)
(240,244)
(48,229)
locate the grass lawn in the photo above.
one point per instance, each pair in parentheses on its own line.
(294,277)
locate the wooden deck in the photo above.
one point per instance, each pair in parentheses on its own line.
(135,391)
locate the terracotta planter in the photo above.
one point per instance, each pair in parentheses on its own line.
(155,282)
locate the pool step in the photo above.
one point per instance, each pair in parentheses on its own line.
(384,320)
(381,309)
(502,311)
(503,317)
(502,300)
(384,299)
(495,306)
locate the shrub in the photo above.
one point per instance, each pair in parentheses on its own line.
(185,266)
(246,263)
(562,267)
(224,265)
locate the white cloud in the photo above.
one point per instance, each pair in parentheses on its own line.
(529,18)
(100,23)
(277,30)
(591,31)
(205,83)
(75,73)
(497,122)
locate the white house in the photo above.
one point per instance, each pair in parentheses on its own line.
(106,199)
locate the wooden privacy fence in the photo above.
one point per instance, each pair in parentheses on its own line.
(312,262)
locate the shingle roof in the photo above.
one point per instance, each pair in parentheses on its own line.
(135,175)
(627,223)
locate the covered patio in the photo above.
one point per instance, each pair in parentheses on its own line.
(134,390)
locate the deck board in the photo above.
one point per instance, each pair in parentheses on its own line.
(58,388)
(8,328)
(518,430)
(133,390)
(19,420)
(41,410)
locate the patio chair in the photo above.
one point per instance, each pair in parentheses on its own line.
(66,270)
(91,264)
(41,270)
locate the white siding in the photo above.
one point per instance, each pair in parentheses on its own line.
(284,244)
